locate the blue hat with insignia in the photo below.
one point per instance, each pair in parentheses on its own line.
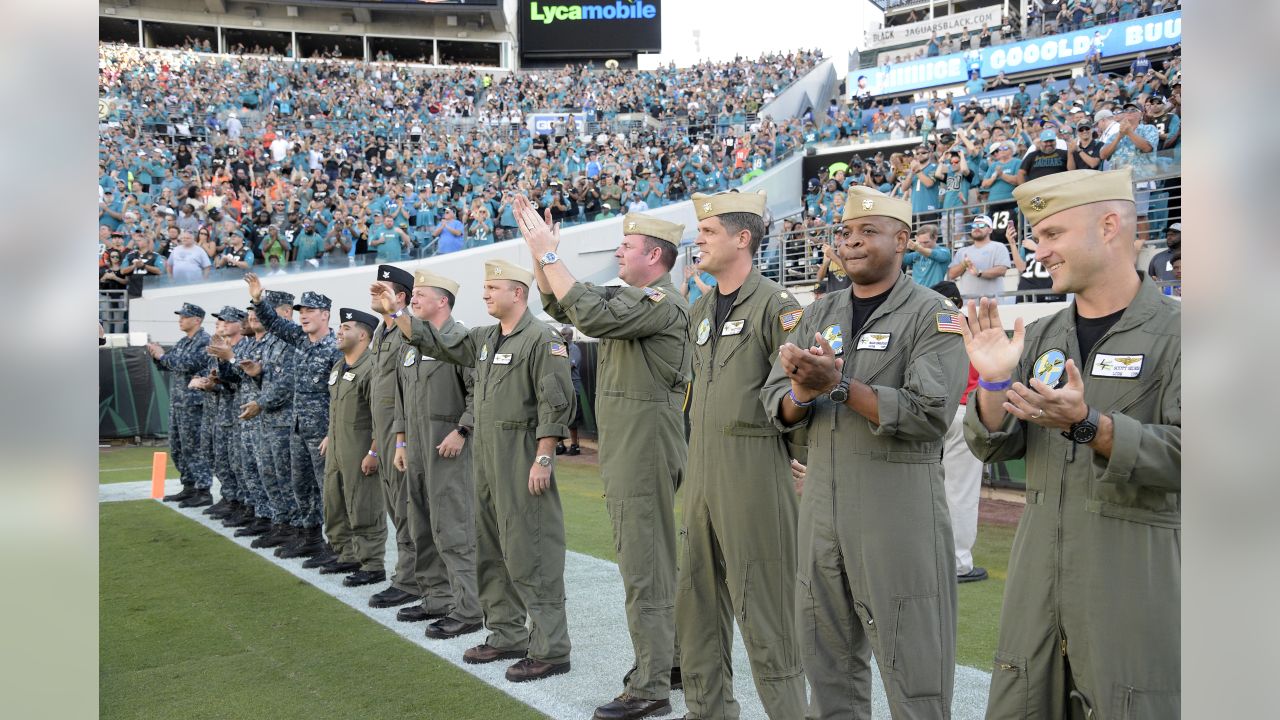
(358,316)
(276,298)
(312,299)
(231,314)
(189,310)
(391,273)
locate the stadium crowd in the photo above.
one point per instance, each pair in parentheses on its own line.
(265,161)
(974,151)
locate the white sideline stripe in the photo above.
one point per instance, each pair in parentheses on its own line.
(601,645)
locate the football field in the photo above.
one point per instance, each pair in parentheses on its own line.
(196,624)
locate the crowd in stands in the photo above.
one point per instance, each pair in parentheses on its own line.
(269,160)
(973,153)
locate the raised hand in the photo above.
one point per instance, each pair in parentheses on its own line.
(380,297)
(993,353)
(255,286)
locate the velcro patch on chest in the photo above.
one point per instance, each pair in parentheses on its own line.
(1117,366)
(874,341)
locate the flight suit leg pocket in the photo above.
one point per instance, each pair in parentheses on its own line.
(614,506)
(1010,687)
(523,547)
(917,647)
(806,615)
(684,576)
(1133,703)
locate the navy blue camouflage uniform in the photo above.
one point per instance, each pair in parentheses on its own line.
(313,361)
(185,360)
(247,433)
(275,397)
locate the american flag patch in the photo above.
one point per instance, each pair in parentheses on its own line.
(790,319)
(654,294)
(559,350)
(949,322)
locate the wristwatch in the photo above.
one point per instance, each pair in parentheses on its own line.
(840,393)
(548,258)
(1083,432)
(543,460)
(464,431)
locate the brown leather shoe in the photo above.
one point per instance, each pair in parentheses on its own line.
(530,669)
(628,707)
(486,653)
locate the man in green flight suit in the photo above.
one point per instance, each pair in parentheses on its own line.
(433,422)
(388,352)
(1090,626)
(522,408)
(640,386)
(875,373)
(354,518)
(739,526)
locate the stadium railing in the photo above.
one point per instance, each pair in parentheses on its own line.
(113,310)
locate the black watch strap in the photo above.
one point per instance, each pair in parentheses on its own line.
(464,431)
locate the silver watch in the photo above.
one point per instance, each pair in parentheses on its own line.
(548,258)
(543,460)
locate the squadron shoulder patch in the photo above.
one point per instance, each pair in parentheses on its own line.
(949,322)
(654,294)
(790,319)
(559,349)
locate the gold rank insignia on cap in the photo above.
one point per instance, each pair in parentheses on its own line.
(867,202)
(422,278)
(640,224)
(503,270)
(729,202)
(1051,194)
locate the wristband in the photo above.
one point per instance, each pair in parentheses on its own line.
(792,394)
(995,386)
(396,314)
(373,454)
(400,444)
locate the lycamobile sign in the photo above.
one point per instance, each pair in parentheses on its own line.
(589,28)
(547,14)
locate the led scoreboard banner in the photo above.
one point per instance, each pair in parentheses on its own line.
(590,26)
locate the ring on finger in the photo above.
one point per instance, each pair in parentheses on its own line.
(1039,415)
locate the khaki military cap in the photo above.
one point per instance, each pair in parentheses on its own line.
(728,202)
(422,278)
(1054,193)
(639,224)
(864,202)
(503,270)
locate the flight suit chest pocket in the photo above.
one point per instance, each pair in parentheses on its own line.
(508,360)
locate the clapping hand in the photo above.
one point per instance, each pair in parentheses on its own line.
(813,371)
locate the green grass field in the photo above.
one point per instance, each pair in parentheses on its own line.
(129,464)
(185,616)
